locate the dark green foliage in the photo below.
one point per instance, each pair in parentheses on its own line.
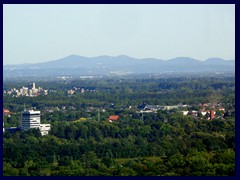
(192,152)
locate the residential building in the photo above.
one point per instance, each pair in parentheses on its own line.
(221,109)
(194,113)
(6,112)
(212,114)
(70,92)
(170,107)
(25,91)
(185,113)
(113,118)
(204,113)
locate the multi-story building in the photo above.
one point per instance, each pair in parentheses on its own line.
(32,119)
(34,86)
(45,128)
(30,92)
(25,91)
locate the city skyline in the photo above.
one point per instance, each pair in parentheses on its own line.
(40,33)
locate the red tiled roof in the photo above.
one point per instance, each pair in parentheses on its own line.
(6,111)
(113,118)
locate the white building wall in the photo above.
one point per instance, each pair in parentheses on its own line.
(25,90)
(34,86)
(185,113)
(31,119)
(45,128)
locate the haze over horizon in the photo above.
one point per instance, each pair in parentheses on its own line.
(50,60)
(40,33)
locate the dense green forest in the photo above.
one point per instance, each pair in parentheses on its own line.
(83,143)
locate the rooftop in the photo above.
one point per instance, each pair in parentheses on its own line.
(113,118)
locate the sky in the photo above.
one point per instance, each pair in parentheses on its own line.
(35,33)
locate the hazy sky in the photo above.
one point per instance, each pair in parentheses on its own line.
(37,33)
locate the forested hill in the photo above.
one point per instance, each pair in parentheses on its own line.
(119,65)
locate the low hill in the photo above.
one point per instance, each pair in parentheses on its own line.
(75,65)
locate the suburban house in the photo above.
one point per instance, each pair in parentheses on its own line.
(113,118)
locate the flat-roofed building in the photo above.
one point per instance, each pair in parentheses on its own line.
(30,119)
(45,128)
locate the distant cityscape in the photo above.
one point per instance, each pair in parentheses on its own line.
(26,91)
(33,91)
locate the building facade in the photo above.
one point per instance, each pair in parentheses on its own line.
(31,119)
(45,128)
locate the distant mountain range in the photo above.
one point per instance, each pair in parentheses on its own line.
(75,65)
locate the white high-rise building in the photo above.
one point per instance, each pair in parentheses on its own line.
(34,86)
(30,92)
(31,119)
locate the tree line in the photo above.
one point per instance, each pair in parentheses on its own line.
(181,146)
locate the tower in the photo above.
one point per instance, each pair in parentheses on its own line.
(34,87)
